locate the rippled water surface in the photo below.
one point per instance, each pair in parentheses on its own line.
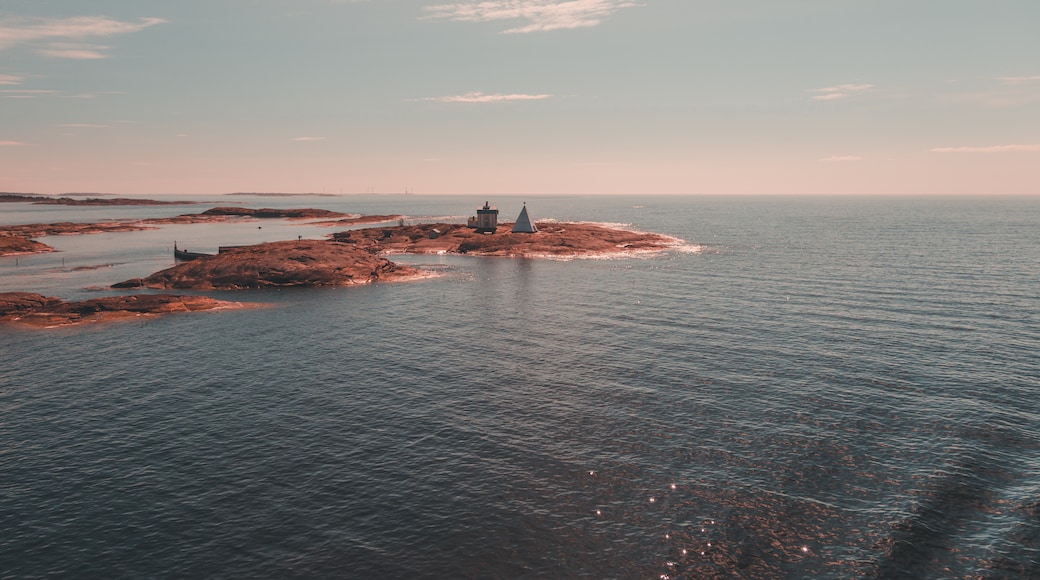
(812,388)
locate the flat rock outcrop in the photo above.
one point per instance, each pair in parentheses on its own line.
(67,228)
(279,264)
(16,245)
(47,311)
(553,239)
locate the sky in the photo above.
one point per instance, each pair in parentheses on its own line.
(891,97)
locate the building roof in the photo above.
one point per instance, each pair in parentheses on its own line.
(523,224)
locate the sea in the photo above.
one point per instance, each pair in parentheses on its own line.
(803,387)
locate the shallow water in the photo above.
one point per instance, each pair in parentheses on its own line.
(828,388)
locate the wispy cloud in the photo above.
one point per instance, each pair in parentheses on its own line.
(989,149)
(28,93)
(74,51)
(308,138)
(11,143)
(833,158)
(839,92)
(11,80)
(538,15)
(83,125)
(479,97)
(1013,91)
(1018,80)
(51,93)
(51,36)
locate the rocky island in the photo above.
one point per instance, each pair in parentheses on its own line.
(552,239)
(356,256)
(279,264)
(349,257)
(17,239)
(44,311)
(18,245)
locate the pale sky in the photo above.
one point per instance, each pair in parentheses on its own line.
(144,97)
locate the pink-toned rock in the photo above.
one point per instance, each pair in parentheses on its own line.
(17,245)
(38,310)
(556,239)
(276,264)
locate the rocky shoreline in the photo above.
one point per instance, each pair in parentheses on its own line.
(553,239)
(278,264)
(32,309)
(21,245)
(356,256)
(350,257)
(17,239)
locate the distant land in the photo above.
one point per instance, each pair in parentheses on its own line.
(276,194)
(92,201)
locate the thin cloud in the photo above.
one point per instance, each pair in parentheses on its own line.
(28,93)
(1018,80)
(308,138)
(839,92)
(479,97)
(539,15)
(1013,91)
(829,96)
(83,125)
(11,80)
(833,158)
(50,36)
(11,143)
(989,149)
(74,51)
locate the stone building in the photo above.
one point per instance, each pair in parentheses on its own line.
(486,220)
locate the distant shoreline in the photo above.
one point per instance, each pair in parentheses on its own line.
(91,201)
(276,194)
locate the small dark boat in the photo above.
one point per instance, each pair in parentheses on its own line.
(179,254)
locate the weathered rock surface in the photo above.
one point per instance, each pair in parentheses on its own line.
(16,245)
(66,228)
(39,310)
(278,264)
(553,239)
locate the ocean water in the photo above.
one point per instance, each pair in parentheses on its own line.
(810,388)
